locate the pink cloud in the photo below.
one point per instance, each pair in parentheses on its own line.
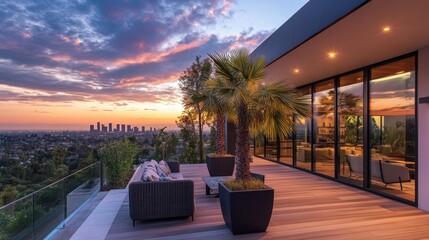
(159,56)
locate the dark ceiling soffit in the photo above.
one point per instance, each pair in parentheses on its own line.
(312,5)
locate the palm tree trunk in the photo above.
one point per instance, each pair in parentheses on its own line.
(200,132)
(242,159)
(220,138)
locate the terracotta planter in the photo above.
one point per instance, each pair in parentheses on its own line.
(246,211)
(220,165)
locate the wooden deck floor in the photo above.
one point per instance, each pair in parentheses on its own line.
(305,207)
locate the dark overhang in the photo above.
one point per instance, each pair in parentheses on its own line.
(311,19)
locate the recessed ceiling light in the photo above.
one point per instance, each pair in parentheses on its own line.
(332,54)
(386,29)
(296,70)
(400,72)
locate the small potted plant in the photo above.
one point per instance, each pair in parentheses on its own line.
(246,202)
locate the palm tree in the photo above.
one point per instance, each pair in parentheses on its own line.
(259,107)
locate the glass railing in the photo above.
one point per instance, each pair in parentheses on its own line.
(37,215)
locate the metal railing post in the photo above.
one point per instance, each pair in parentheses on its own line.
(33,217)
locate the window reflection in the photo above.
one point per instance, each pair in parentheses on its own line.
(271,149)
(324,128)
(286,146)
(392,122)
(259,146)
(350,115)
(303,135)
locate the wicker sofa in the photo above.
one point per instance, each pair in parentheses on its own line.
(161,199)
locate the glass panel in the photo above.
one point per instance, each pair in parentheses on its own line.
(350,115)
(392,111)
(17,220)
(286,147)
(38,214)
(324,126)
(271,149)
(259,146)
(303,135)
(49,209)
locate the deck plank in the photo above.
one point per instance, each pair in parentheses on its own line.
(306,206)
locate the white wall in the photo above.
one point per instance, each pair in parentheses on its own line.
(423,129)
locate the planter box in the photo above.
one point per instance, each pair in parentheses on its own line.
(246,211)
(220,165)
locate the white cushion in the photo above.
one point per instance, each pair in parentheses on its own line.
(164,166)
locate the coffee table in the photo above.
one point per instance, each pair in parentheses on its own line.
(212,184)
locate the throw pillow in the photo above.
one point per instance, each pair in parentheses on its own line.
(150,176)
(150,165)
(163,164)
(154,162)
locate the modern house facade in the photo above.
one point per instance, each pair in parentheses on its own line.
(363,66)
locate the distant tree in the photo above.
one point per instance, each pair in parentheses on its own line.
(59,156)
(188,136)
(9,194)
(163,140)
(191,81)
(61,171)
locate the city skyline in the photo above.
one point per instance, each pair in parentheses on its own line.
(119,127)
(116,61)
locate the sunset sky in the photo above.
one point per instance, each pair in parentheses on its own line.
(67,64)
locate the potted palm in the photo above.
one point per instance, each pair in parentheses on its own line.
(219,163)
(247,203)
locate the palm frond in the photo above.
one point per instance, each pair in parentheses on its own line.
(251,70)
(223,66)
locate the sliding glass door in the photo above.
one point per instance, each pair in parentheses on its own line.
(393,126)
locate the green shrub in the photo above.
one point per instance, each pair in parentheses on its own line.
(237,184)
(118,158)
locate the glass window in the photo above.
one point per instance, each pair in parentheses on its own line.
(392,122)
(324,127)
(259,146)
(271,149)
(286,147)
(350,133)
(303,134)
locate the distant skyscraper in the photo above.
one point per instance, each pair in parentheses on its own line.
(118,128)
(110,127)
(123,127)
(103,128)
(136,129)
(143,129)
(98,126)
(129,128)
(91,128)
(151,129)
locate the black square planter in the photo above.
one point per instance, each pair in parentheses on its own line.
(247,211)
(220,165)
